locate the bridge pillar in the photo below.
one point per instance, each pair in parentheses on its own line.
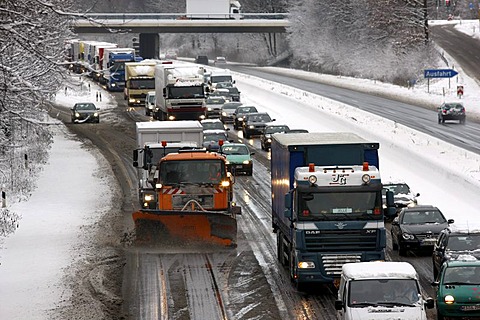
(149,45)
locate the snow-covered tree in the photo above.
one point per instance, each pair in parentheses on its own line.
(32,35)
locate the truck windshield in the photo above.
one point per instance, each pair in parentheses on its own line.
(174,172)
(217,79)
(186,92)
(341,204)
(142,84)
(383,292)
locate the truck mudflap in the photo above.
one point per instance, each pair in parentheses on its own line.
(185,227)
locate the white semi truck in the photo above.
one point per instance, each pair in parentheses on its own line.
(180,92)
(155,140)
(213,9)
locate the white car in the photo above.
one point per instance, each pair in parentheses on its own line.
(220,61)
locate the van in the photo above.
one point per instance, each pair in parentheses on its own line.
(381,290)
(150,103)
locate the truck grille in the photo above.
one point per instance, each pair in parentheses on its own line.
(341,240)
(332,263)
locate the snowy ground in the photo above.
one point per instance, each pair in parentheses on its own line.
(37,257)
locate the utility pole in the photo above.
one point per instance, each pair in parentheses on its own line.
(425,17)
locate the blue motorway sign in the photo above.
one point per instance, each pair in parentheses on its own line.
(439,73)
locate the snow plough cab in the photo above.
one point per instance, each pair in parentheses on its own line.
(193,202)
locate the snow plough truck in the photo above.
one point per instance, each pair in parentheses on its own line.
(194,201)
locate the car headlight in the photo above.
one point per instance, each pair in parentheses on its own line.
(269,140)
(77,114)
(95,114)
(240,119)
(408,236)
(209,109)
(224,114)
(251,127)
(247,161)
(227,162)
(132,100)
(306,265)
(449,299)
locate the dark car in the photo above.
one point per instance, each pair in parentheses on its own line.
(227,111)
(451,111)
(417,228)
(201,60)
(457,289)
(266,136)
(233,93)
(240,113)
(211,139)
(454,243)
(213,124)
(255,123)
(85,112)
(402,195)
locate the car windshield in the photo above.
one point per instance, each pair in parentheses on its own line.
(259,118)
(233,106)
(213,125)
(468,275)
(456,106)
(215,100)
(422,217)
(464,242)
(383,292)
(276,129)
(85,106)
(400,188)
(246,110)
(235,150)
(214,137)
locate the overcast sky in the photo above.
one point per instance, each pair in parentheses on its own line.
(53,232)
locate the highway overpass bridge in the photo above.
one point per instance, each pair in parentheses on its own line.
(150,25)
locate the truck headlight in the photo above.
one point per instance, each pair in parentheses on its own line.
(306,265)
(132,100)
(148,197)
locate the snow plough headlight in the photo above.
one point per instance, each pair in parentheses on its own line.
(312,179)
(225,183)
(306,265)
(366,178)
(148,197)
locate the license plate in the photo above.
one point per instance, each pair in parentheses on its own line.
(429,242)
(238,166)
(470,308)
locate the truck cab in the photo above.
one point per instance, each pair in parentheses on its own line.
(380,290)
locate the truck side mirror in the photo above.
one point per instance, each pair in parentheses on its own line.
(135,158)
(338,305)
(390,198)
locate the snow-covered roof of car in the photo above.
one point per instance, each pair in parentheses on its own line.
(379,269)
(465,228)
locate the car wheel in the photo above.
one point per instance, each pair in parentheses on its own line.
(439,315)
(402,251)
(394,244)
(249,172)
(235,126)
(462,121)
(73,120)
(439,120)
(443,120)
(246,135)
(435,272)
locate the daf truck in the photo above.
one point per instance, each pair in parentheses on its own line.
(326,204)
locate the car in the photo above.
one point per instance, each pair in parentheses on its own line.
(255,123)
(85,112)
(455,243)
(171,55)
(213,124)
(150,103)
(266,136)
(227,111)
(451,111)
(240,113)
(457,290)
(201,60)
(239,158)
(214,106)
(212,138)
(233,93)
(220,61)
(417,228)
(402,195)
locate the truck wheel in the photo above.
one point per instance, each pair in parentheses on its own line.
(280,249)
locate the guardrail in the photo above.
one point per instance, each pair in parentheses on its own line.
(180,16)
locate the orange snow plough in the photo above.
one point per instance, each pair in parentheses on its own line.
(194,195)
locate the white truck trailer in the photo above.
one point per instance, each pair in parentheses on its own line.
(155,140)
(180,92)
(213,9)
